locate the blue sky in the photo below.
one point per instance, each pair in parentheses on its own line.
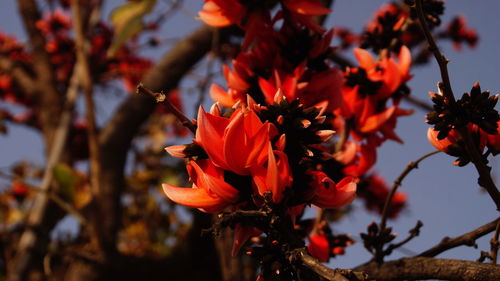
(446,198)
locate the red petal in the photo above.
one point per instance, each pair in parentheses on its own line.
(211,178)
(364,58)
(209,135)
(194,198)
(319,247)
(306,8)
(374,122)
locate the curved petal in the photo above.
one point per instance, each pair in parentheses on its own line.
(364,58)
(235,145)
(210,177)
(404,61)
(336,195)
(214,18)
(209,135)
(374,122)
(218,94)
(319,247)
(194,198)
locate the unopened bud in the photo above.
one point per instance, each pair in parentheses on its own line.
(325,135)
(280,119)
(176,150)
(278,97)
(215,109)
(305,123)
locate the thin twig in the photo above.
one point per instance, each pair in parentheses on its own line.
(418,103)
(414,232)
(397,183)
(162,98)
(379,249)
(485,179)
(467,239)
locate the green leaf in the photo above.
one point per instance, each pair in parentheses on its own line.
(128,21)
(67,180)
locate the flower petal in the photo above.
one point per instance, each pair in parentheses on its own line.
(194,198)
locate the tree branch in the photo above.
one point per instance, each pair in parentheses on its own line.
(325,272)
(117,135)
(85,77)
(423,268)
(38,212)
(22,78)
(485,179)
(467,239)
(51,100)
(162,98)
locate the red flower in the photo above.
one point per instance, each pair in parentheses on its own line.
(458,31)
(55,22)
(328,194)
(392,74)
(234,144)
(274,176)
(319,247)
(357,158)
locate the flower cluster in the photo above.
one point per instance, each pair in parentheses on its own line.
(274,147)
(234,161)
(476,112)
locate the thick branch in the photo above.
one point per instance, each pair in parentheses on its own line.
(422,268)
(117,135)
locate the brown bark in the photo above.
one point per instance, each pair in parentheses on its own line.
(422,268)
(50,100)
(115,140)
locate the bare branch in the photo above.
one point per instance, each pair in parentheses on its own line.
(379,252)
(467,239)
(397,183)
(162,98)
